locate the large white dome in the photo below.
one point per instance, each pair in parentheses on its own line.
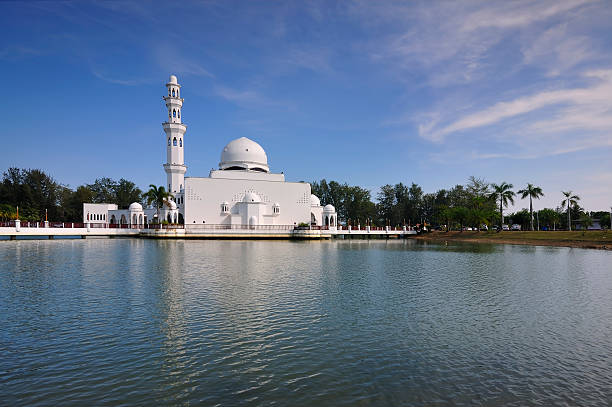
(244,154)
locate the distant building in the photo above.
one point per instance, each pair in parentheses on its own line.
(595,226)
(242,191)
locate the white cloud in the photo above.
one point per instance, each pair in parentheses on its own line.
(172,60)
(558,50)
(240,97)
(513,14)
(464,42)
(586,108)
(125,82)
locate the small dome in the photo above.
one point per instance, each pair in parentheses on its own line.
(251,197)
(171,204)
(173,79)
(244,154)
(314,200)
(329,208)
(135,206)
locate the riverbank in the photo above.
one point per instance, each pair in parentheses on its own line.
(592,239)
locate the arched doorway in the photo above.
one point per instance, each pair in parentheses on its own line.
(313,219)
(113,220)
(181,219)
(123,220)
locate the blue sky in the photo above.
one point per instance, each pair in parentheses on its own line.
(364,92)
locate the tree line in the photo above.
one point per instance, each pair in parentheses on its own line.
(34,192)
(474,204)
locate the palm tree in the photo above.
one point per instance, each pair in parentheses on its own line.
(502,192)
(158,197)
(570,200)
(532,192)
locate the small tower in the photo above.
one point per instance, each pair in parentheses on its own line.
(175,130)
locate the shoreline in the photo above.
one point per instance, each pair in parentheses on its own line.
(601,240)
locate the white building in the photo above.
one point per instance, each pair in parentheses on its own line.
(241,193)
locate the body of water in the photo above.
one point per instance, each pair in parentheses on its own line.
(114,322)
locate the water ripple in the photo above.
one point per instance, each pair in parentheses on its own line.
(139,322)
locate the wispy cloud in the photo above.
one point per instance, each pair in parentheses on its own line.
(587,107)
(171,59)
(125,82)
(463,42)
(240,97)
(16,52)
(316,59)
(251,98)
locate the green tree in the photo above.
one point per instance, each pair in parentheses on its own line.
(104,190)
(569,201)
(504,194)
(521,218)
(549,217)
(158,196)
(480,212)
(125,193)
(532,192)
(478,187)
(585,221)
(387,203)
(460,214)
(7,212)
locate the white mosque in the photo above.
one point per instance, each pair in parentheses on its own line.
(242,193)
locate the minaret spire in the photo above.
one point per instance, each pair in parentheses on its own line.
(175,130)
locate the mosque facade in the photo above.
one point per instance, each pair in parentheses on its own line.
(242,192)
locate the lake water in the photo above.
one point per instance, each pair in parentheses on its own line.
(114,322)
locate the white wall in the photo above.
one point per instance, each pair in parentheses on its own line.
(203,198)
(98,213)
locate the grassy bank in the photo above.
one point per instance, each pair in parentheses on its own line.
(594,239)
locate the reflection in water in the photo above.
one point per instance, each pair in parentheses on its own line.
(129,321)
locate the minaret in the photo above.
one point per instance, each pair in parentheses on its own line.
(175,130)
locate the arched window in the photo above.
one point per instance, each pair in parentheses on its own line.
(179,113)
(168,140)
(180,142)
(174,142)
(173,112)
(172,92)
